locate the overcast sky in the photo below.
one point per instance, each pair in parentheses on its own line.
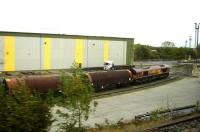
(148,21)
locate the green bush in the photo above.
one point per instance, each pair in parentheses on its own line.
(144,52)
(23,111)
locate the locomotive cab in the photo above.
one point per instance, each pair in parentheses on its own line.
(108,65)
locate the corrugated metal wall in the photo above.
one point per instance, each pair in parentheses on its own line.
(27,53)
(117,52)
(95,53)
(43,52)
(1,53)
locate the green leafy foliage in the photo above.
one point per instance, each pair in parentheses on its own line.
(77,93)
(23,111)
(144,52)
(167,44)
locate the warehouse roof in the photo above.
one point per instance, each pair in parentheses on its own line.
(63,34)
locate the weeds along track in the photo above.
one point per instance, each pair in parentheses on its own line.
(179,118)
(136,87)
(178,124)
(172,113)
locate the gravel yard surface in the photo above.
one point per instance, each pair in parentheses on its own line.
(126,106)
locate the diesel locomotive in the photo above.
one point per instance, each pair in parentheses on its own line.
(99,79)
(114,78)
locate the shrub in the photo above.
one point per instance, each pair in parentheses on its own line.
(23,111)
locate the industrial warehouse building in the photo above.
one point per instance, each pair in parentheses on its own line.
(42,51)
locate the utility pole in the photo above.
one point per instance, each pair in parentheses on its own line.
(186,43)
(197,37)
(190,41)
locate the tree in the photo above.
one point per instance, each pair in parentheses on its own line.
(77,95)
(180,54)
(167,44)
(143,52)
(23,111)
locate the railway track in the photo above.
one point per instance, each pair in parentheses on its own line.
(164,126)
(177,117)
(180,111)
(123,90)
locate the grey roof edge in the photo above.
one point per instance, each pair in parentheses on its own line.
(62,34)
